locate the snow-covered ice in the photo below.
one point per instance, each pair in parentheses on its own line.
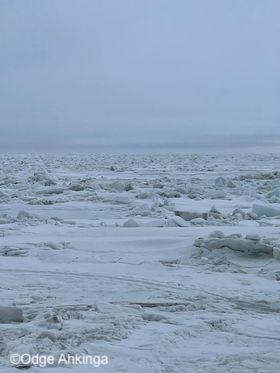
(164,263)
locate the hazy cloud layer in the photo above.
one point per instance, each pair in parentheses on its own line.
(93,74)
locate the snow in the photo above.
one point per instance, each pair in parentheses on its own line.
(161,262)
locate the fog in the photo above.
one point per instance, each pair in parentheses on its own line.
(95,75)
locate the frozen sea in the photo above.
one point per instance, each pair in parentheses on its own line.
(161,262)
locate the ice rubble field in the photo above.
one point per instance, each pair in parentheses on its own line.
(165,263)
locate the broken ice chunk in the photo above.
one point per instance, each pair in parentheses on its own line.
(10,314)
(131,223)
(266,210)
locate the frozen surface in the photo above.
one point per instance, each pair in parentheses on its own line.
(165,263)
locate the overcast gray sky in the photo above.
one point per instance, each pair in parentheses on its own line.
(87,74)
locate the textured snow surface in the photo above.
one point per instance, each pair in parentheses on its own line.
(165,263)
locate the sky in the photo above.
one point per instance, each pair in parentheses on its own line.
(92,75)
